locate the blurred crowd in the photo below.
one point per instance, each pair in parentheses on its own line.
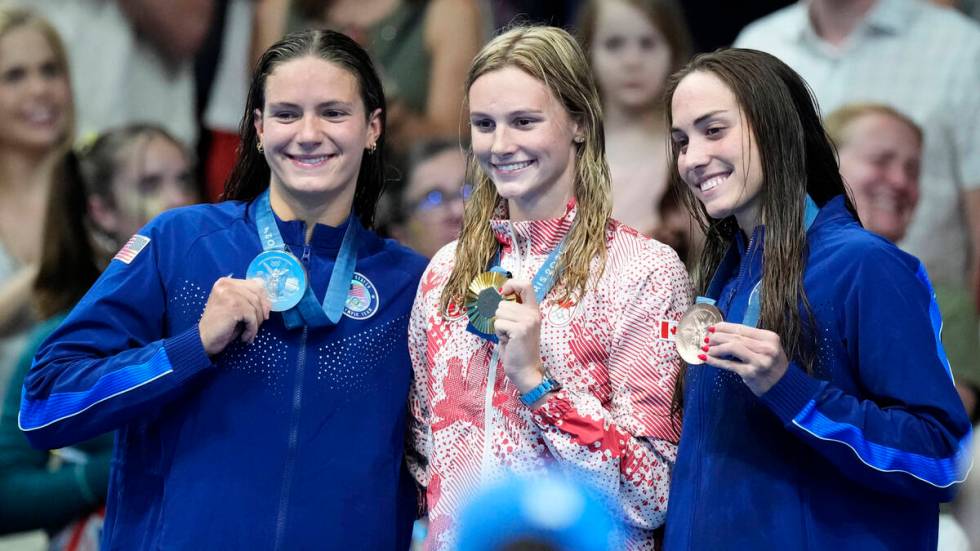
(116,110)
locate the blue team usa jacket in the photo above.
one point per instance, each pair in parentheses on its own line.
(292,442)
(857,455)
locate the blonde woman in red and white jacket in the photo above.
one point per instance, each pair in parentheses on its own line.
(575,375)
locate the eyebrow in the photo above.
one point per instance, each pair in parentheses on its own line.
(321,105)
(698,121)
(516,113)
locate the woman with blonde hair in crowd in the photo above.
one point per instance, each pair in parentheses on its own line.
(37,131)
(633,46)
(126,177)
(534,337)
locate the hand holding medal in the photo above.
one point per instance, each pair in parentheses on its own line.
(756,355)
(236,308)
(518,326)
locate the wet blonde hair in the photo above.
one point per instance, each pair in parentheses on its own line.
(13,18)
(552,56)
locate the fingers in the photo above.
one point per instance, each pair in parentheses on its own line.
(235,308)
(523,290)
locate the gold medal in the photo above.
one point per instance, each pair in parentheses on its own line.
(693,328)
(482,299)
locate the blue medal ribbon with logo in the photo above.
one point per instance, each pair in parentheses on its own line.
(308,311)
(730,261)
(544,280)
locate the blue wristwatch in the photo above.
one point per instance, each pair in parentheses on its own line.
(547,385)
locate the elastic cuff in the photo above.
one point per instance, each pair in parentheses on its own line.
(186,353)
(788,396)
(550,413)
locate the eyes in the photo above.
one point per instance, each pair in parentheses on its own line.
(616,43)
(715,131)
(486,124)
(48,70)
(287,115)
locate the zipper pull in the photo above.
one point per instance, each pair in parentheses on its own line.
(306,254)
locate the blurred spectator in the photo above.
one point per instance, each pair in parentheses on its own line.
(922,60)
(37,129)
(128,176)
(880,151)
(633,46)
(132,60)
(559,13)
(538,514)
(428,212)
(422,49)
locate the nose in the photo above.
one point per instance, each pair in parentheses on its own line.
(502,145)
(693,158)
(309,136)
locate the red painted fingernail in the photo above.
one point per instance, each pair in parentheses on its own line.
(702,357)
(707,340)
(705,348)
(711,329)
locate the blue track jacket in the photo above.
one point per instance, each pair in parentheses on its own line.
(856,456)
(292,442)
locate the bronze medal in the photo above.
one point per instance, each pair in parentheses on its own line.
(482,299)
(693,328)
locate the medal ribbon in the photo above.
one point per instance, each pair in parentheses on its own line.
(754,308)
(309,311)
(543,281)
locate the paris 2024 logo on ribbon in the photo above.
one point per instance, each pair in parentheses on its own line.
(362,298)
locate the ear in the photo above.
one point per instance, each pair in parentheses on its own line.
(102,215)
(257,122)
(578,132)
(374,127)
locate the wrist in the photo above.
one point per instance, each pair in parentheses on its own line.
(536,396)
(529,378)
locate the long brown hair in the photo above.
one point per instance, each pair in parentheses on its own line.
(797,159)
(552,56)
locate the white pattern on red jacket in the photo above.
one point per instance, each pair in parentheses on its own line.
(610,425)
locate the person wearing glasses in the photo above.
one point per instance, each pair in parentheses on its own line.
(428,212)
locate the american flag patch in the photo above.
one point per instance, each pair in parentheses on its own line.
(132,248)
(666,330)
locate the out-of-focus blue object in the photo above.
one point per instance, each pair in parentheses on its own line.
(553,511)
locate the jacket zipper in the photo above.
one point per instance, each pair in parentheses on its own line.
(701,394)
(287,479)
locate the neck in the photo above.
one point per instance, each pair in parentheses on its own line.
(330,209)
(541,208)
(26,172)
(748,220)
(619,117)
(835,20)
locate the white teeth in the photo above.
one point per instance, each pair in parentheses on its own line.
(513,166)
(712,183)
(310,160)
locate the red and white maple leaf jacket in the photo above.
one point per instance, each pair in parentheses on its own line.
(609,425)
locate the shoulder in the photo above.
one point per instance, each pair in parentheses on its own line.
(634,259)
(199,219)
(404,257)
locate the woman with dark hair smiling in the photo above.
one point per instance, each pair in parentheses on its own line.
(252,354)
(819,409)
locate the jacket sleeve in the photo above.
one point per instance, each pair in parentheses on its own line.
(628,446)
(113,359)
(419,447)
(905,431)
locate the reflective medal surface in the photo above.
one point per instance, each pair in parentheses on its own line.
(283,275)
(693,328)
(482,299)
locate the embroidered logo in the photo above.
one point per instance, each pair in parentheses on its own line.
(666,330)
(561,313)
(362,298)
(132,248)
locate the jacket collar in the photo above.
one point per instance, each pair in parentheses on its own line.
(539,236)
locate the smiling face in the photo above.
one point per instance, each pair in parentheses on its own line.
(716,152)
(523,138)
(630,56)
(35,97)
(154,175)
(434,200)
(314,131)
(879,160)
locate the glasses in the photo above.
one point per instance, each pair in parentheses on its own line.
(438,198)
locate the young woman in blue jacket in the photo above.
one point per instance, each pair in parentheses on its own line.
(823,414)
(252,354)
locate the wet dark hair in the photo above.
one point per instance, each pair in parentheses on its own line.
(251,174)
(797,159)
